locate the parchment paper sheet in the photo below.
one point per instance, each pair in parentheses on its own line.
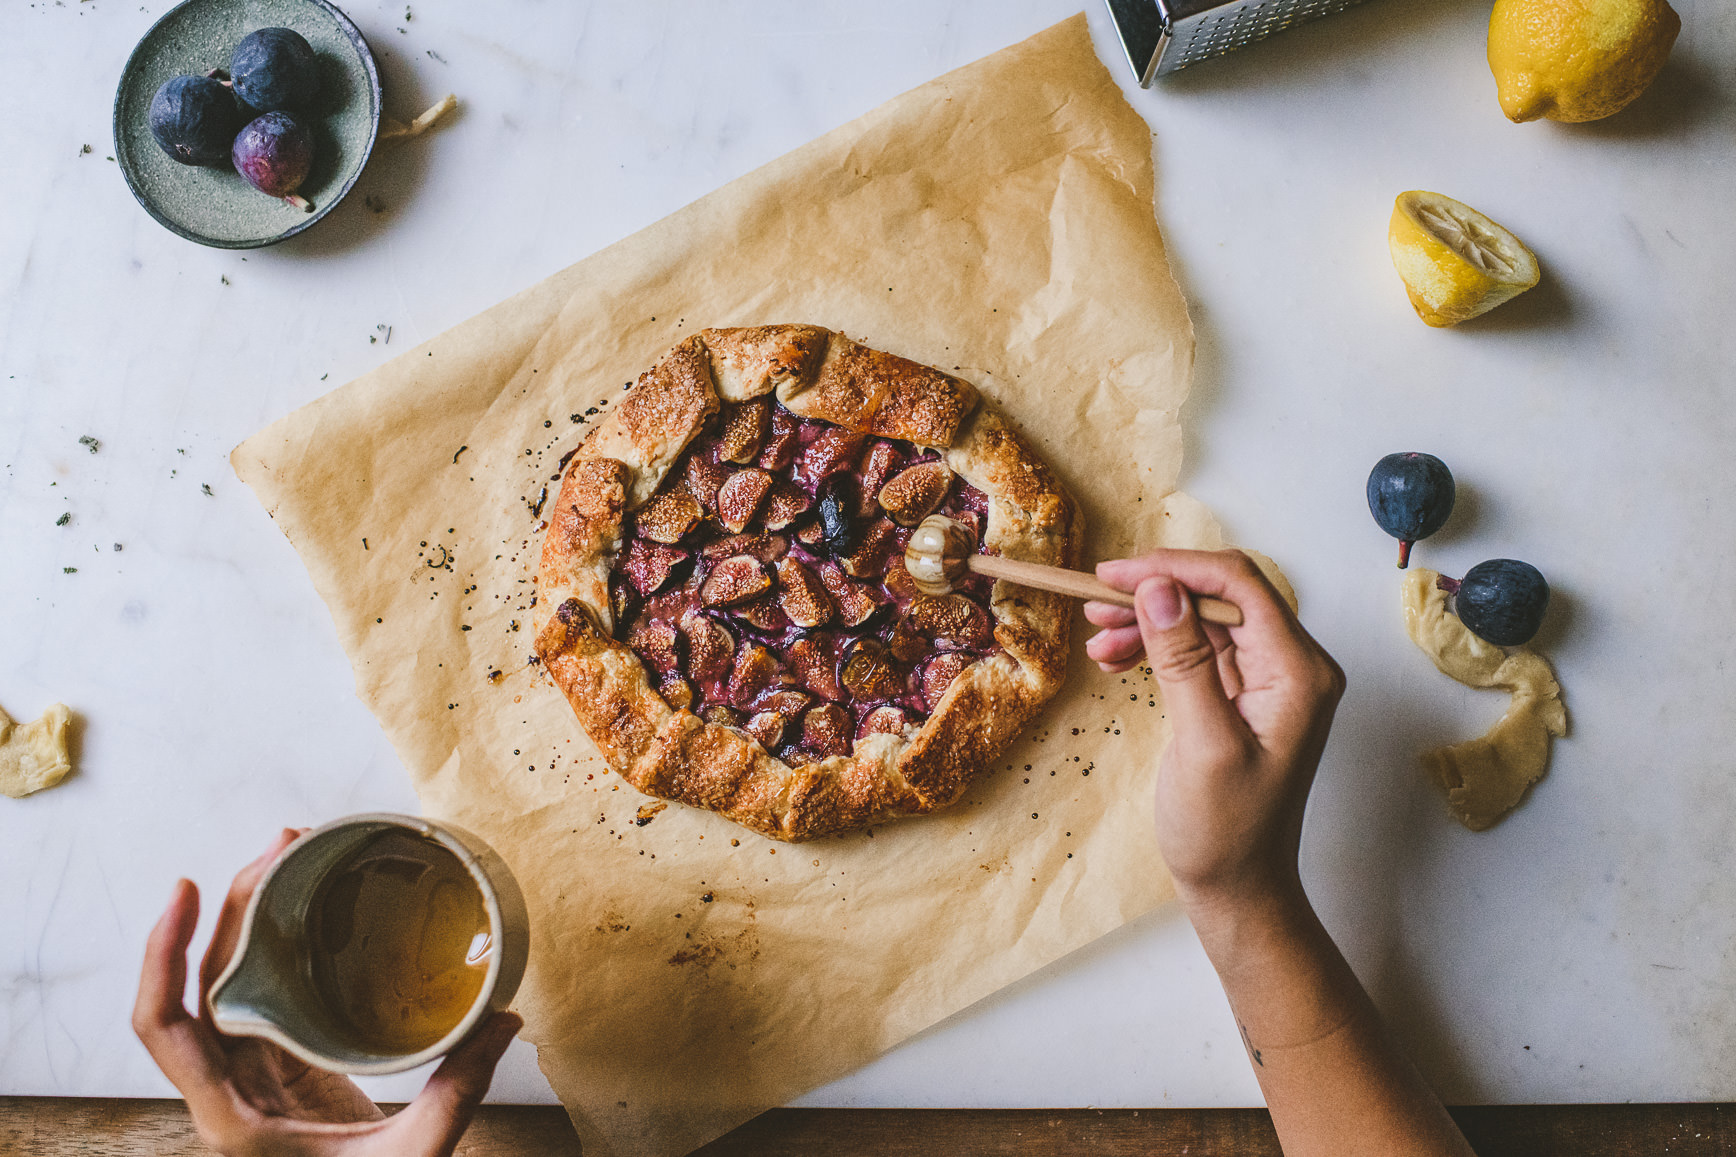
(686,974)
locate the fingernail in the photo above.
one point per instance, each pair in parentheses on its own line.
(1161,600)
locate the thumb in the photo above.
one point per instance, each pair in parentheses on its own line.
(1185,664)
(434,1122)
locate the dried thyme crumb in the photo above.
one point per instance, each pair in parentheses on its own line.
(63,519)
(68,570)
(89,443)
(206,487)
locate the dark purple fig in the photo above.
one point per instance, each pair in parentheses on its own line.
(1501,600)
(274,69)
(835,529)
(195,119)
(1410,496)
(274,153)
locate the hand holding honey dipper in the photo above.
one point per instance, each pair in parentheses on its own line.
(247,1095)
(941,551)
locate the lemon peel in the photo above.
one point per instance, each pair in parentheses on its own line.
(1455,262)
(1577,60)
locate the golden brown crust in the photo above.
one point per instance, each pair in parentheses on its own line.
(656,419)
(671,753)
(584,533)
(880,393)
(754,360)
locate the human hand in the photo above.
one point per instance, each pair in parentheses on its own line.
(1250,706)
(248,1096)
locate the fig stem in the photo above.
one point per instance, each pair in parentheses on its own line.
(1404,545)
(1450,585)
(299,202)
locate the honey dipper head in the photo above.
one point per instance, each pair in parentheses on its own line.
(936,554)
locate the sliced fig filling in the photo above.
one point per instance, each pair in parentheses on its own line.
(764,585)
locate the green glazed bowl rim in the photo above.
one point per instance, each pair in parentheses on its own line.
(124,158)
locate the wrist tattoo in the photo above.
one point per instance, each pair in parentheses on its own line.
(1248,1043)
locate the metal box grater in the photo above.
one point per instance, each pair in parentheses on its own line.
(1163,36)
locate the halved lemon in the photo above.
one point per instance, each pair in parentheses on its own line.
(1456,263)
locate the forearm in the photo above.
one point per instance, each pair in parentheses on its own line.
(1333,1080)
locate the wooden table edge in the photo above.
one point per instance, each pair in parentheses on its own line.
(104,1126)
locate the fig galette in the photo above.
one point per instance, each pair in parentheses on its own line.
(722,594)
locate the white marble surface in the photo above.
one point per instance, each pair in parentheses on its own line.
(1579,951)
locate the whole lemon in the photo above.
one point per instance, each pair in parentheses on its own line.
(1577,60)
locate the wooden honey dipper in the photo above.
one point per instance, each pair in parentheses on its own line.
(941,550)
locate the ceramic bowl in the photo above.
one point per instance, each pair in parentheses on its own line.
(215,206)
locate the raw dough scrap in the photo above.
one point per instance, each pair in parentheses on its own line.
(1485,778)
(34,757)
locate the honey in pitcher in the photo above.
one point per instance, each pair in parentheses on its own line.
(398,942)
